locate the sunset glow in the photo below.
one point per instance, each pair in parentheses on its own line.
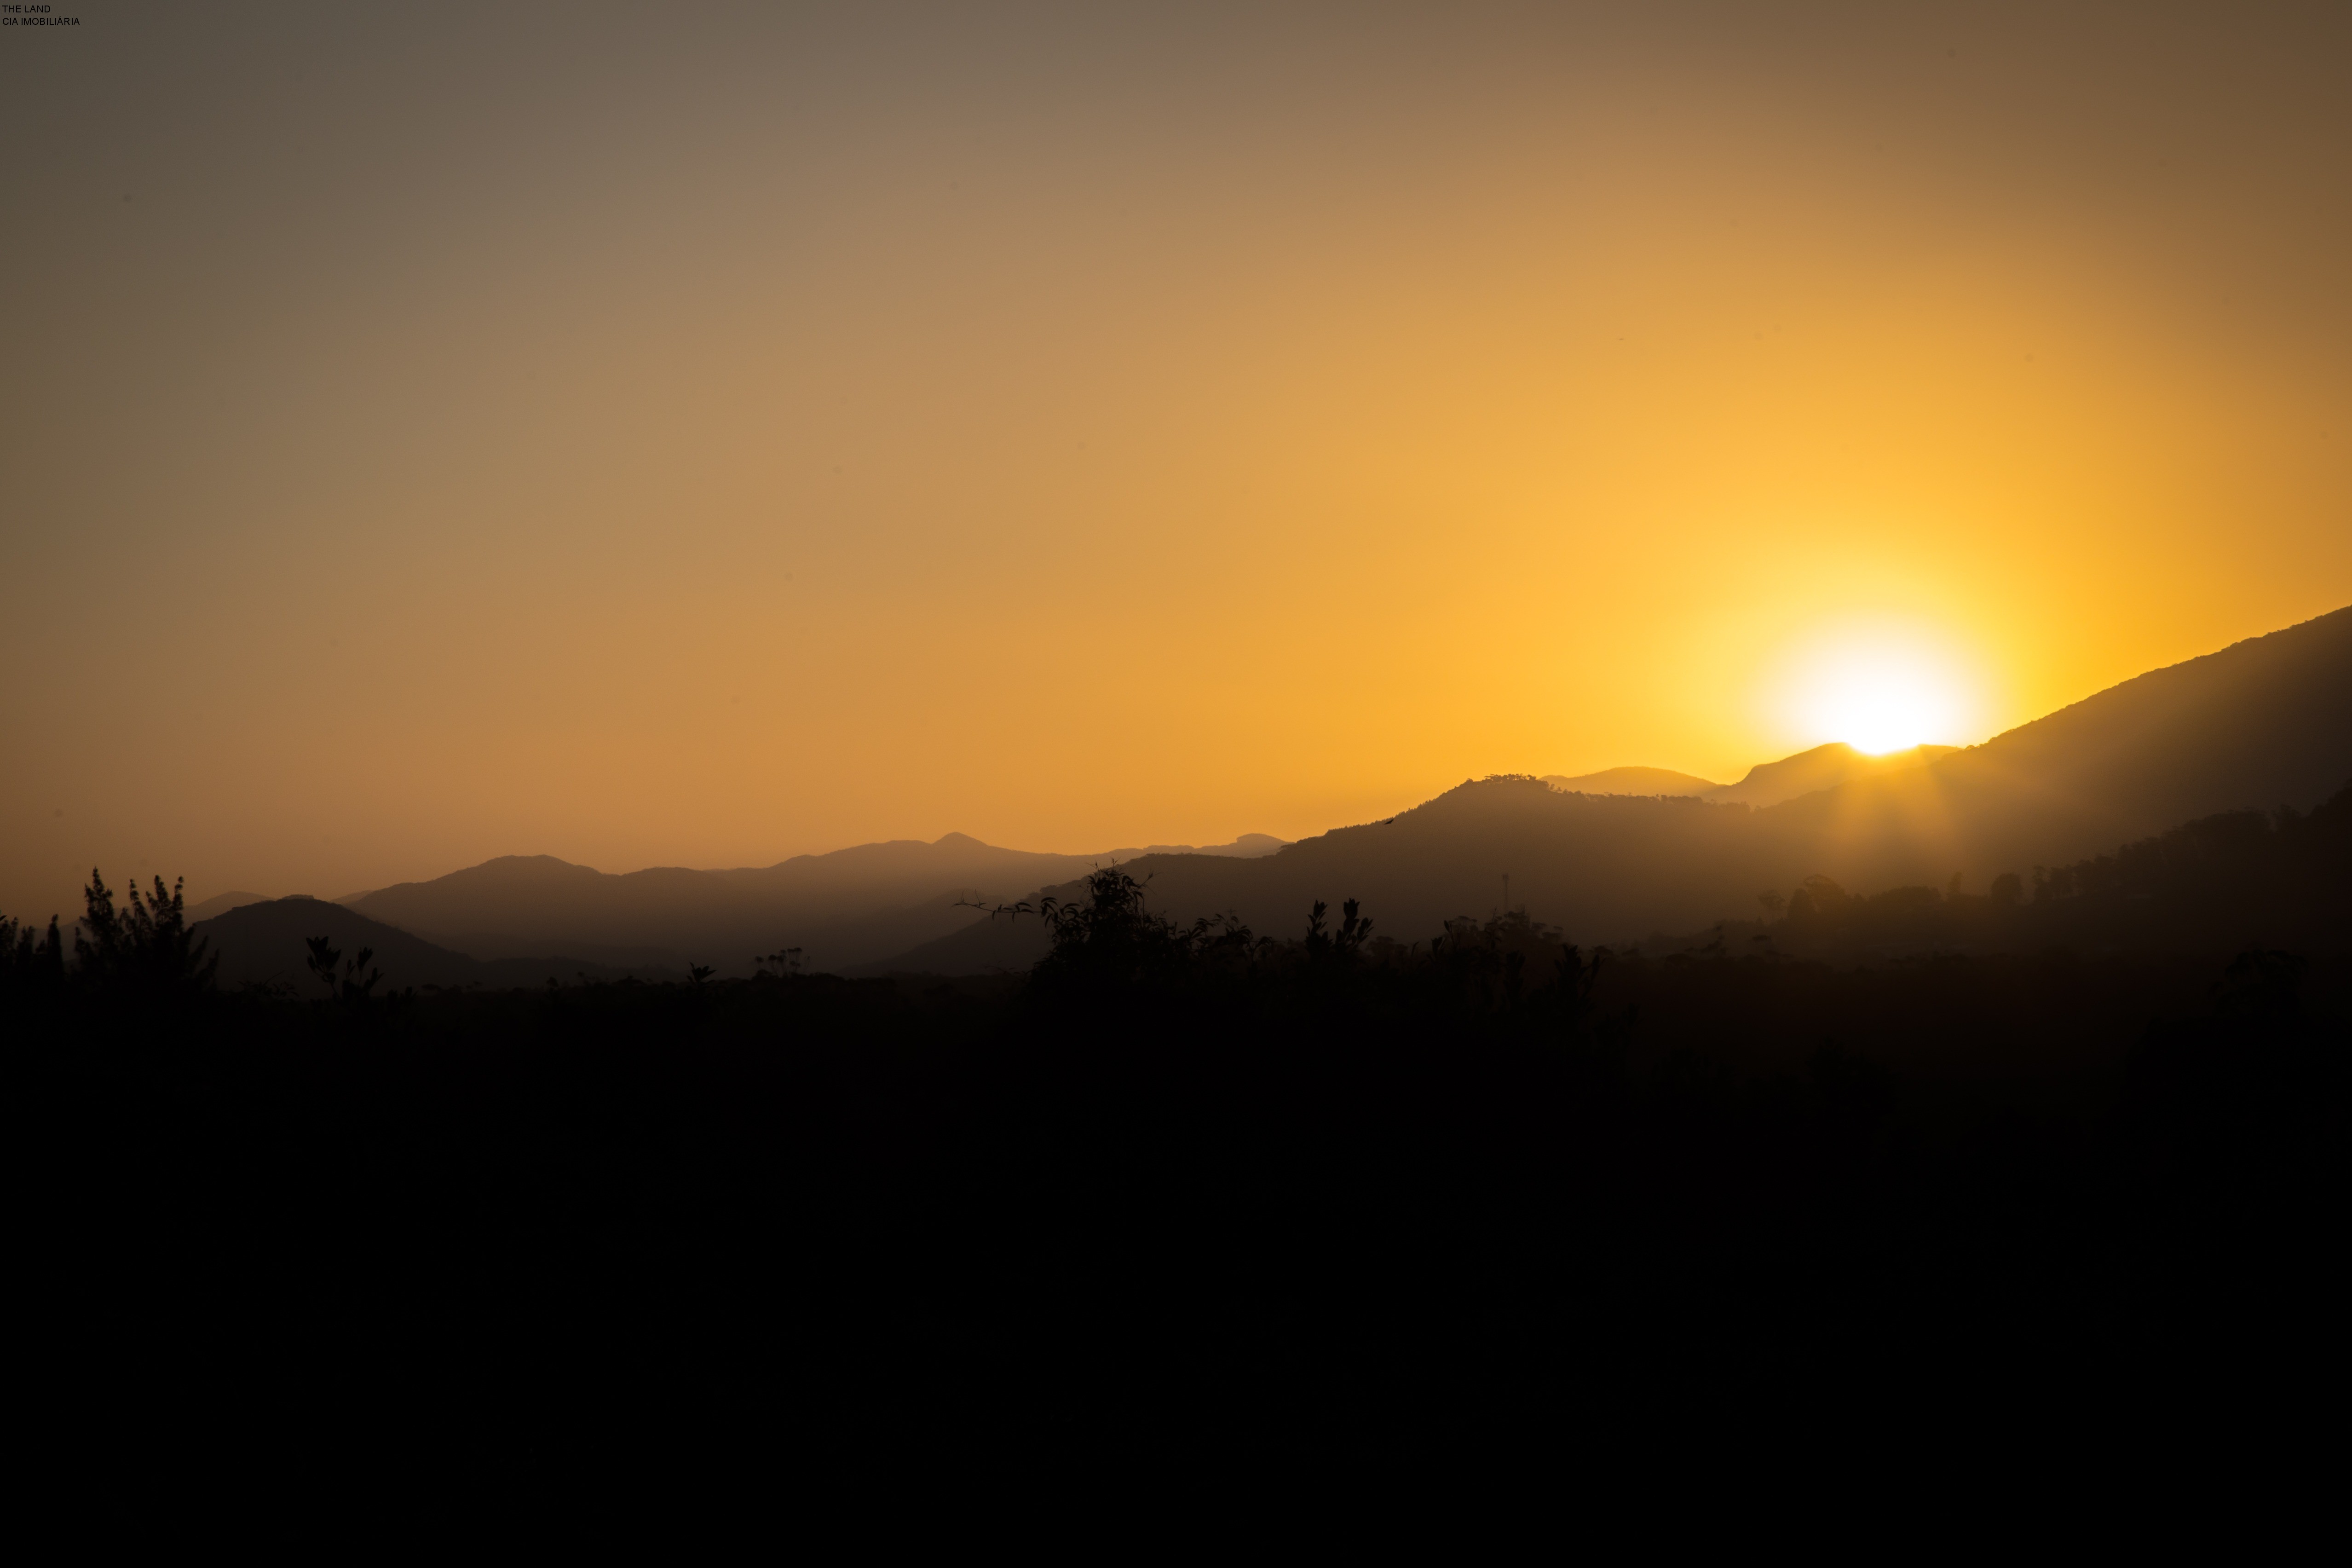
(1886,700)
(775,749)
(502,454)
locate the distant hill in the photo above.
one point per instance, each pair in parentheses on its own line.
(1767,783)
(1248,846)
(1823,767)
(1603,867)
(265,941)
(220,904)
(2264,722)
(851,906)
(1633,781)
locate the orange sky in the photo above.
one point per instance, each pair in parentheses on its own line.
(702,435)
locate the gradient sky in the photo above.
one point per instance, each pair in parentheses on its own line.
(700,434)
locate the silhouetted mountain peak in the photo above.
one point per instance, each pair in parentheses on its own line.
(526,867)
(220,904)
(1823,767)
(2313,659)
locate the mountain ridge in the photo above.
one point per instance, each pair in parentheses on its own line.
(842,906)
(2265,722)
(265,944)
(2262,723)
(1825,766)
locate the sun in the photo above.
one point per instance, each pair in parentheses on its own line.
(1879,710)
(1880,692)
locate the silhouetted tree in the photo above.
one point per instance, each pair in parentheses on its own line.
(145,951)
(1111,938)
(30,964)
(347,986)
(1339,948)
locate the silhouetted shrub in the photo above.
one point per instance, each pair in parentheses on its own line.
(145,952)
(31,965)
(1110,939)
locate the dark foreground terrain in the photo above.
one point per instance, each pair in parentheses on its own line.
(1181,1196)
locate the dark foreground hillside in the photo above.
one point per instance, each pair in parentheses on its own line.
(1183,1198)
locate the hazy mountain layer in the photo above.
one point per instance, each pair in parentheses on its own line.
(1767,783)
(848,907)
(265,941)
(2265,722)
(221,903)
(1823,767)
(2262,723)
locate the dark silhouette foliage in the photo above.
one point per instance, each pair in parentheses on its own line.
(351,987)
(1323,1198)
(144,952)
(32,967)
(22,953)
(1110,940)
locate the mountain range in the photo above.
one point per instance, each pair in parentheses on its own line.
(2265,722)
(853,906)
(265,941)
(1766,783)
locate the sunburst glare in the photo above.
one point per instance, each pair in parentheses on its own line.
(1881,691)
